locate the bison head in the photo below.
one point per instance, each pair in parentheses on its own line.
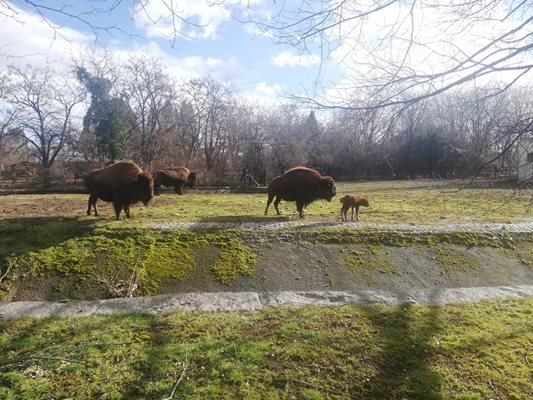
(328,188)
(192,180)
(364,202)
(145,187)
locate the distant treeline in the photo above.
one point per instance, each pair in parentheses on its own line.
(108,110)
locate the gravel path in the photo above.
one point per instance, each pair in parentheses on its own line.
(522,227)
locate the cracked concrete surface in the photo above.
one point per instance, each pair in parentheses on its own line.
(522,227)
(251,301)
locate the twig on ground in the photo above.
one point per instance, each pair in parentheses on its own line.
(3,276)
(121,288)
(185,365)
(325,389)
(20,359)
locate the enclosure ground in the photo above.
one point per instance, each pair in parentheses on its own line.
(50,250)
(417,237)
(468,351)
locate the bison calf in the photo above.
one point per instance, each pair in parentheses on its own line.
(302,185)
(123,183)
(353,201)
(178,177)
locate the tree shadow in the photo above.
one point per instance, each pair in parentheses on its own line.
(162,358)
(20,236)
(407,335)
(239,219)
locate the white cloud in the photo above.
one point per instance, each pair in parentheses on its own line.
(365,54)
(193,18)
(264,93)
(287,58)
(255,30)
(27,39)
(269,90)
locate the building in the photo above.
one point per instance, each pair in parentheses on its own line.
(525,165)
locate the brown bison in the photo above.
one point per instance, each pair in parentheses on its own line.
(353,201)
(178,177)
(302,185)
(123,183)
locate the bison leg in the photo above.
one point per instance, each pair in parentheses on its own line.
(178,188)
(357,213)
(300,207)
(276,204)
(92,203)
(353,207)
(117,205)
(270,198)
(343,214)
(127,210)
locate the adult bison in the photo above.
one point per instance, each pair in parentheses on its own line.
(123,183)
(302,185)
(178,177)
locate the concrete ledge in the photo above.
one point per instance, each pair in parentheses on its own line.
(251,301)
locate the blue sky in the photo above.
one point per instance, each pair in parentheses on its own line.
(225,48)
(426,40)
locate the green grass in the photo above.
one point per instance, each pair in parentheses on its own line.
(371,258)
(73,259)
(110,257)
(390,202)
(470,351)
(423,201)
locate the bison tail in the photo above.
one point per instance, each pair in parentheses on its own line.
(342,199)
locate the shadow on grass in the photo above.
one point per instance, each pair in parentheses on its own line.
(237,219)
(19,236)
(407,333)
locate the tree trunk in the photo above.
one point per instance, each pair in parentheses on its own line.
(47,177)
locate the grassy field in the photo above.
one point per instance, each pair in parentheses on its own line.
(54,251)
(475,351)
(426,202)
(49,249)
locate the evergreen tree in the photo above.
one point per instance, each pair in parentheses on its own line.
(106,117)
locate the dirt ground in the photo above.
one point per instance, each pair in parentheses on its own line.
(283,262)
(290,266)
(286,266)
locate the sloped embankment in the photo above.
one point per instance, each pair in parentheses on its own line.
(99,262)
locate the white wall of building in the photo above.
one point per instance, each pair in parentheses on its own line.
(525,166)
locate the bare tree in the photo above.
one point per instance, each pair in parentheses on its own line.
(149,92)
(98,16)
(211,103)
(43,108)
(396,53)
(7,115)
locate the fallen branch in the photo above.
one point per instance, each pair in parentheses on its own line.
(20,359)
(121,288)
(185,365)
(318,387)
(3,276)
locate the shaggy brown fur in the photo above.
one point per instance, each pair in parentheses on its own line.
(123,183)
(179,177)
(302,185)
(353,201)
